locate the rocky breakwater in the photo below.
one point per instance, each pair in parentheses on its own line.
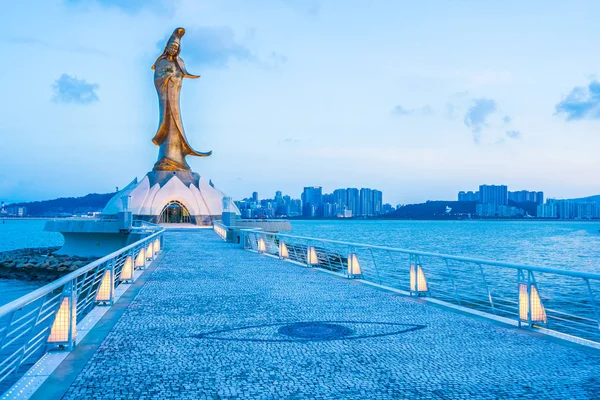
(38,264)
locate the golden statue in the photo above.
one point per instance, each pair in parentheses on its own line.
(169,71)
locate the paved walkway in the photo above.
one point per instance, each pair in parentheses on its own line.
(214,322)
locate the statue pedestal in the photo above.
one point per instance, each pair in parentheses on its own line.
(171,192)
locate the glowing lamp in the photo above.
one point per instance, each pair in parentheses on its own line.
(149,253)
(63,329)
(156,245)
(140,260)
(127,271)
(105,292)
(531,309)
(311,256)
(261,245)
(283,251)
(353,266)
(418,283)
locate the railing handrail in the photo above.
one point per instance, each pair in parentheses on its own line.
(44,290)
(577,274)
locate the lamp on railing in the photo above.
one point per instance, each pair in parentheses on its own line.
(531,308)
(63,331)
(311,256)
(353,266)
(105,294)
(140,260)
(127,271)
(283,251)
(261,246)
(149,251)
(156,245)
(418,282)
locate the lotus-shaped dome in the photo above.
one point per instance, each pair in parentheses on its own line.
(158,189)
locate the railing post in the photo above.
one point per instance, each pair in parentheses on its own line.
(456,295)
(594,306)
(487,288)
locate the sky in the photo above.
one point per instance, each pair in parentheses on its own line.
(419,99)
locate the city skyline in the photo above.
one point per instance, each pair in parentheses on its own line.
(419,106)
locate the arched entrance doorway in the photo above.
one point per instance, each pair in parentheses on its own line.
(175,213)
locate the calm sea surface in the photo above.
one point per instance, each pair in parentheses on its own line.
(18,234)
(566,245)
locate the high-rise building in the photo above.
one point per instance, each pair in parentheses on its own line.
(468,196)
(377,202)
(353,201)
(493,194)
(311,201)
(255,197)
(340,198)
(524,196)
(278,197)
(366,202)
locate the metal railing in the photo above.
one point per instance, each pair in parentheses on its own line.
(220,229)
(46,318)
(559,300)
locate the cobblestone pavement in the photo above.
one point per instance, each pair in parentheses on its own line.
(210,323)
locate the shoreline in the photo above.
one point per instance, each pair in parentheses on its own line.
(38,264)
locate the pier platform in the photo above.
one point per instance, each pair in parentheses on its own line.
(212,321)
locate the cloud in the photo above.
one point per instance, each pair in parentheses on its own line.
(129,6)
(69,89)
(476,116)
(513,134)
(581,103)
(506,119)
(401,111)
(214,46)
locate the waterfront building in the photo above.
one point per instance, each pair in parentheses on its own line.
(366,202)
(569,209)
(311,201)
(387,208)
(377,202)
(353,201)
(525,196)
(493,194)
(468,196)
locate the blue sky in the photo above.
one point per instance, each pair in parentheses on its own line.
(419,99)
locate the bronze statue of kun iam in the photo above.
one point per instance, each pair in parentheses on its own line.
(169,71)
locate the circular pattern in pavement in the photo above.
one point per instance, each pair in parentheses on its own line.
(315,331)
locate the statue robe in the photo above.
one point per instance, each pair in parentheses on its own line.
(170,137)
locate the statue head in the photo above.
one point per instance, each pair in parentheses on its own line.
(173,46)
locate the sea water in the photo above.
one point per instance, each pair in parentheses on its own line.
(18,234)
(572,245)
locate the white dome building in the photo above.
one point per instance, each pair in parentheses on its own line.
(172,197)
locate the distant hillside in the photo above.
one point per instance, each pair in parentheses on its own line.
(434,210)
(595,198)
(66,205)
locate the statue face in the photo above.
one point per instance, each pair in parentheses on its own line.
(173,48)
